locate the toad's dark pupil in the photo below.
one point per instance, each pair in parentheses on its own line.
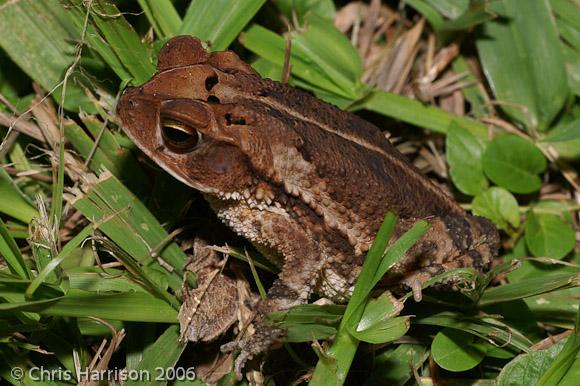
(179,136)
(176,135)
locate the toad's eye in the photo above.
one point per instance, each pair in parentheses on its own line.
(179,137)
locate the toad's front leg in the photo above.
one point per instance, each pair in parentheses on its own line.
(293,286)
(301,261)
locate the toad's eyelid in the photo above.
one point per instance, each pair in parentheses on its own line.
(177,125)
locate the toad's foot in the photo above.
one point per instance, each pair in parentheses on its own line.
(263,339)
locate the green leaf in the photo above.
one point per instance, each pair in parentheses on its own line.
(570,149)
(569,32)
(396,366)
(367,278)
(566,132)
(384,330)
(526,268)
(455,350)
(308,313)
(308,322)
(267,69)
(218,21)
(498,205)
(93,281)
(307,333)
(527,369)
(521,58)
(378,323)
(548,235)
(572,58)
(464,152)
(464,14)
(514,163)
(398,250)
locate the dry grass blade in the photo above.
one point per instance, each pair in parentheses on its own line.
(102,357)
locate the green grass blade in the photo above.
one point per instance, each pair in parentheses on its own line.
(430,13)
(416,113)
(371,266)
(485,328)
(57,190)
(308,322)
(477,13)
(128,223)
(44,48)
(130,306)
(95,279)
(451,9)
(398,249)
(146,278)
(163,355)
(334,365)
(218,21)
(479,105)
(567,10)
(563,362)
(11,253)
(326,47)
(301,8)
(55,262)
(529,287)
(123,41)
(162,16)
(94,40)
(12,202)
(272,47)
(108,155)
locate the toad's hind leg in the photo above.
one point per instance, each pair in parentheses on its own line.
(451,243)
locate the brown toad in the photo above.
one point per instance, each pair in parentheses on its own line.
(307,183)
